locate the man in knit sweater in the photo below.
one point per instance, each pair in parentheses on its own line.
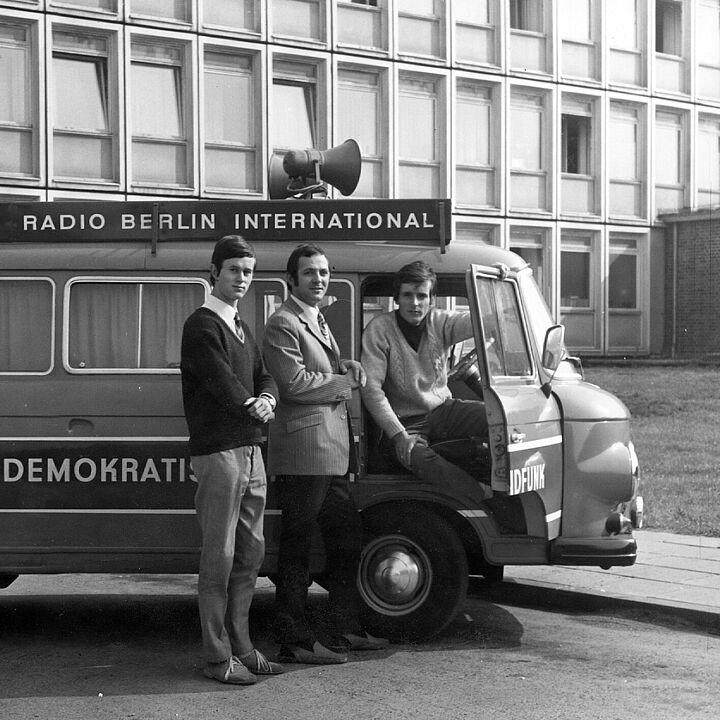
(405,354)
(228,396)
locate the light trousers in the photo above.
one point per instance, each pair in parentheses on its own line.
(230,503)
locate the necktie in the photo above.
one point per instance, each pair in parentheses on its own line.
(323,325)
(238,328)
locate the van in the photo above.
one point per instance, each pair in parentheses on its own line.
(95,475)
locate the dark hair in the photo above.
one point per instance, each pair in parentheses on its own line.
(230,246)
(304,250)
(414,273)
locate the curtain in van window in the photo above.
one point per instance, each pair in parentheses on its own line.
(104,325)
(165,308)
(26,317)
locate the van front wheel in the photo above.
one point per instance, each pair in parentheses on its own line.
(413,574)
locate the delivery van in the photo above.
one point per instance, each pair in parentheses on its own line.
(95,475)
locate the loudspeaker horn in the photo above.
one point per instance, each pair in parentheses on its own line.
(299,173)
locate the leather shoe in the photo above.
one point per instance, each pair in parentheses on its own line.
(316,655)
(258,664)
(361,640)
(230,671)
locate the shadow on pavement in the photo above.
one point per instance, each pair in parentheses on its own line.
(84,645)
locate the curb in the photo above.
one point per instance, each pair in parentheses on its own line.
(545,596)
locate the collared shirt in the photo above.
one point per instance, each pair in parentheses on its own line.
(227,315)
(221,308)
(311,312)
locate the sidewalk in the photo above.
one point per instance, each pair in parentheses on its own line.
(679,573)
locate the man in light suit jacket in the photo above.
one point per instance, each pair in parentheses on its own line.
(309,452)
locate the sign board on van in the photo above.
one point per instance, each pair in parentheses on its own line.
(425,220)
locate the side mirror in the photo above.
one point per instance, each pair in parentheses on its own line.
(554,347)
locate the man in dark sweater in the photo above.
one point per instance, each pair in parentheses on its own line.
(228,395)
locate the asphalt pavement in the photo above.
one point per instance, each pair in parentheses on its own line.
(676,573)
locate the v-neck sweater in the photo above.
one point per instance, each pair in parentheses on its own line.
(219,374)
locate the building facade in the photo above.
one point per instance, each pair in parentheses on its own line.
(561,129)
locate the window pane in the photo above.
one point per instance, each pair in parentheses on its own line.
(165,307)
(668,149)
(103,328)
(709,156)
(575,279)
(293,116)
(526,138)
(229,104)
(708,32)
(575,20)
(230,13)
(94,4)
(175,9)
(14,56)
(668,27)
(26,312)
(298,18)
(576,144)
(622,21)
(81,93)
(472,11)
(359,98)
(622,281)
(624,141)
(418,121)
(156,86)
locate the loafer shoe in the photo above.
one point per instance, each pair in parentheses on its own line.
(231,671)
(318,655)
(360,641)
(258,664)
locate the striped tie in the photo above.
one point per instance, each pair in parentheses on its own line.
(323,325)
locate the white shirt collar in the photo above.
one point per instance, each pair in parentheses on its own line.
(221,308)
(312,311)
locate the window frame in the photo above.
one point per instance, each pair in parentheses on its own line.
(53,329)
(119,280)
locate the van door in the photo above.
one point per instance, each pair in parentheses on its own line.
(524,422)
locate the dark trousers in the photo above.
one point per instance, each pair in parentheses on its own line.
(309,501)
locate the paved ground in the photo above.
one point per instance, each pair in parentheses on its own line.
(680,573)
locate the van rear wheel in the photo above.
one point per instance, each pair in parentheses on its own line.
(413,573)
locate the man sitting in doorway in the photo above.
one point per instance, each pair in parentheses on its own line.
(405,354)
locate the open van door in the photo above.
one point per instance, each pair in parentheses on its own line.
(524,420)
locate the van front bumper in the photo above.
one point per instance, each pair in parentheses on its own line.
(603,551)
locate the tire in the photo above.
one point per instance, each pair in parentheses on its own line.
(413,574)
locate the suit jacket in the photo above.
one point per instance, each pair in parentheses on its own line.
(310,434)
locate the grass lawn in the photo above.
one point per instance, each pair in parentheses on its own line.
(676,429)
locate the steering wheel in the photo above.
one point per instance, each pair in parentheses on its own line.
(461,370)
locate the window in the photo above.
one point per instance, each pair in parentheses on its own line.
(670,159)
(625,321)
(178,10)
(529,150)
(526,15)
(532,245)
(421,27)
(231,121)
(708,161)
(362,24)
(109,5)
(579,306)
(475,145)
(626,58)
(505,342)
(233,14)
(626,162)
(294,123)
(83,115)
(362,116)
(476,31)
(668,27)
(17,121)
(26,347)
(128,325)
(161,151)
(622,277)
(420,136)
(579,184)
(707,38)
(528,37)
(579,49)
(298,18)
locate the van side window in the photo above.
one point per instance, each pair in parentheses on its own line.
(505,342)
(337,307)
(262,299)
(124,324)
(26,325)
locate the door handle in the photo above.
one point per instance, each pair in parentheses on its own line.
(517,437)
